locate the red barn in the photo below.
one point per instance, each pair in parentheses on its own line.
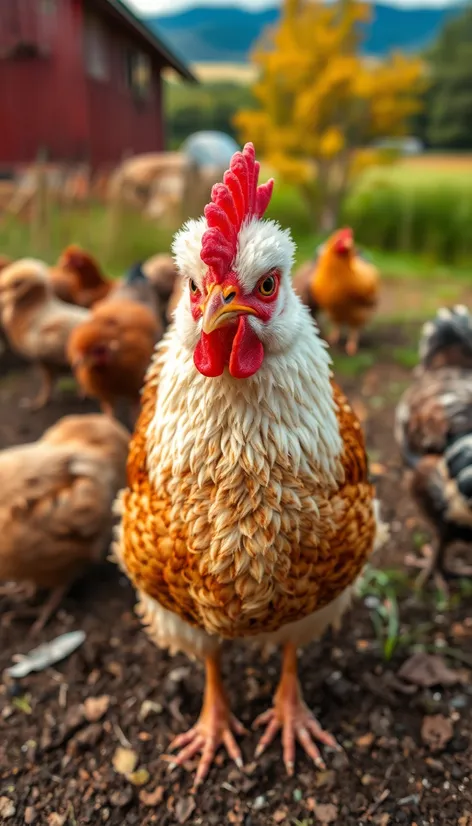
(80,79)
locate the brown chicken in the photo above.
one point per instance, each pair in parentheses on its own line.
(162,273)
(301,283)
(36,323)
(249,513)
(78,278)
(56,504)
(136,287)
(346,287)
(434,432)
(4,262)
(111,351)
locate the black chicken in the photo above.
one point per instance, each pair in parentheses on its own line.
(434,432)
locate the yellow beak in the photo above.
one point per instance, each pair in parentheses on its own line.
(221,308)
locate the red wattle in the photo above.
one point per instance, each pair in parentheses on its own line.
(247,352)
(209,356)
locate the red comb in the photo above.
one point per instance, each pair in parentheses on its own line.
(235,201)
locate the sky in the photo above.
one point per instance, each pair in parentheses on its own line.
(172,6)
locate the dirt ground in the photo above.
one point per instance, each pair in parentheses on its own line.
(407,747)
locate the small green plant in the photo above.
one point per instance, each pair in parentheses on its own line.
(384,587)
(352,366)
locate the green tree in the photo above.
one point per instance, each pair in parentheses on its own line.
(207,106)
(449,98)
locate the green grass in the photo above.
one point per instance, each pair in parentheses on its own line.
(116,241)
(352,366)
(415,224)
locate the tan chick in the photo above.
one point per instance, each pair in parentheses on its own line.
(36,323)
(56,503)
(345,287)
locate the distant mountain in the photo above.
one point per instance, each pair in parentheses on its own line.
(227,35)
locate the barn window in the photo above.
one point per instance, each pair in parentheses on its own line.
(138,73)
(96,48)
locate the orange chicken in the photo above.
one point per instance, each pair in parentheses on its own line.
(248,513)
(111,351)
(56,505)
(345,287)
(78,278)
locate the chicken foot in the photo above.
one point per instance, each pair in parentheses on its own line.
(334,336)
(434,568)
(44,394)
(291,715)
(214,727)
(48,609)
(352,344)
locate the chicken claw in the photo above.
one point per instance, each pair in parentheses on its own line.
(214,727)
(291,715)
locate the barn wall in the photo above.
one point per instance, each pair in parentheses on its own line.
(50,100)
(119,124)
(43,99)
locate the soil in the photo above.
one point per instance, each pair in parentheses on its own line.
(56,758)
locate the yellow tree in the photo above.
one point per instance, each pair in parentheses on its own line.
(322,104)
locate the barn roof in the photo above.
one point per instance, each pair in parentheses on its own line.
(134,22)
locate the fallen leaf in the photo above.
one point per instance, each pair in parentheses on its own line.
(139,778)
(326,813)
(436,731)
(465,820)
(96,707)
(148,708)
(55,819)
(365,741)
(125,760)
(382,820)
(184,808)
(22,704)
(7,808)
(325,779)
(152,799)
(280,815)
(29,816)
(460,630)
(47,654)
(427,670)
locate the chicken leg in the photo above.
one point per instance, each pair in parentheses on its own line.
(294,718)
(352,344)
(44,394)
(214,727)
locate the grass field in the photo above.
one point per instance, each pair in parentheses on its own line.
(414,218)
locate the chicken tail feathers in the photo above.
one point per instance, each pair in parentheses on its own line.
(447,339)
(458,460)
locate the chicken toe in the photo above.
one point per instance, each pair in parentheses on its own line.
(216,726)
(291,715)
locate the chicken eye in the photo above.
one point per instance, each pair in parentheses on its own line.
(267,286)
(193,287)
